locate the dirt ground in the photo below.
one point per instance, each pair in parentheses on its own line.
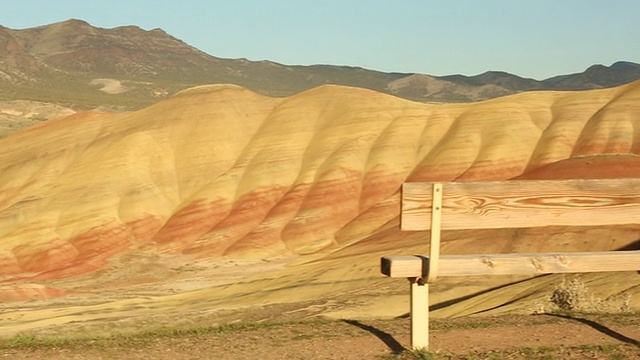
(139,310)
(508,337)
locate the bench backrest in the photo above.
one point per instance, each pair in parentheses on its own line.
(523,204)
(514,204)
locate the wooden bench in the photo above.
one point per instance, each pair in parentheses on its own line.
(508,204)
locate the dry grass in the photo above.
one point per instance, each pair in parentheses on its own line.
(573,295)
(271,338)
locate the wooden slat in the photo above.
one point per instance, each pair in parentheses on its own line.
(545,263)
(514,264)
(524,203)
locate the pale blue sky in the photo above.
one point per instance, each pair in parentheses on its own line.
(537,38)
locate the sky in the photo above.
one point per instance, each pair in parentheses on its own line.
(531,38)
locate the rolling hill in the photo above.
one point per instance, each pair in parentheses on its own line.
(98,203)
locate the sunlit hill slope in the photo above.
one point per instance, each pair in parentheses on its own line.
(222,172)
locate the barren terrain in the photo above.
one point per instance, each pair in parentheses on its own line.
(506,337)
(221,205)
(59,61)
(18,114)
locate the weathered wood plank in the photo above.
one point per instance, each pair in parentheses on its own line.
(524,203)
(513,264)
(436,220)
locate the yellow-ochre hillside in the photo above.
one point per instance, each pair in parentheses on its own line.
(220,172)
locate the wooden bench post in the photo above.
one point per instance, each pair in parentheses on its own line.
(436,219)
(419,313)
(419,292)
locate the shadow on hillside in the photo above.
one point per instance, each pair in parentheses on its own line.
(601,328)
(451,302)
(389,340)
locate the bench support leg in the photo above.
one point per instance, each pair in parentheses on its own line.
(419,314)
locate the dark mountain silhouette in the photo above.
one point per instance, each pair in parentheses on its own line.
(596,76)
(500,78)
(71,62)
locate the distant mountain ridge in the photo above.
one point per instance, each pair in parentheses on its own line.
(60,63)
(596,76)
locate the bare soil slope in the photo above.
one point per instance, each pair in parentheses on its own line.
(219,199)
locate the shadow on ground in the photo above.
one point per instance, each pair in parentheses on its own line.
(387,338)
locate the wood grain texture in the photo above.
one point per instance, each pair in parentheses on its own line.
(524,203)
(514,264)
(539,263)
